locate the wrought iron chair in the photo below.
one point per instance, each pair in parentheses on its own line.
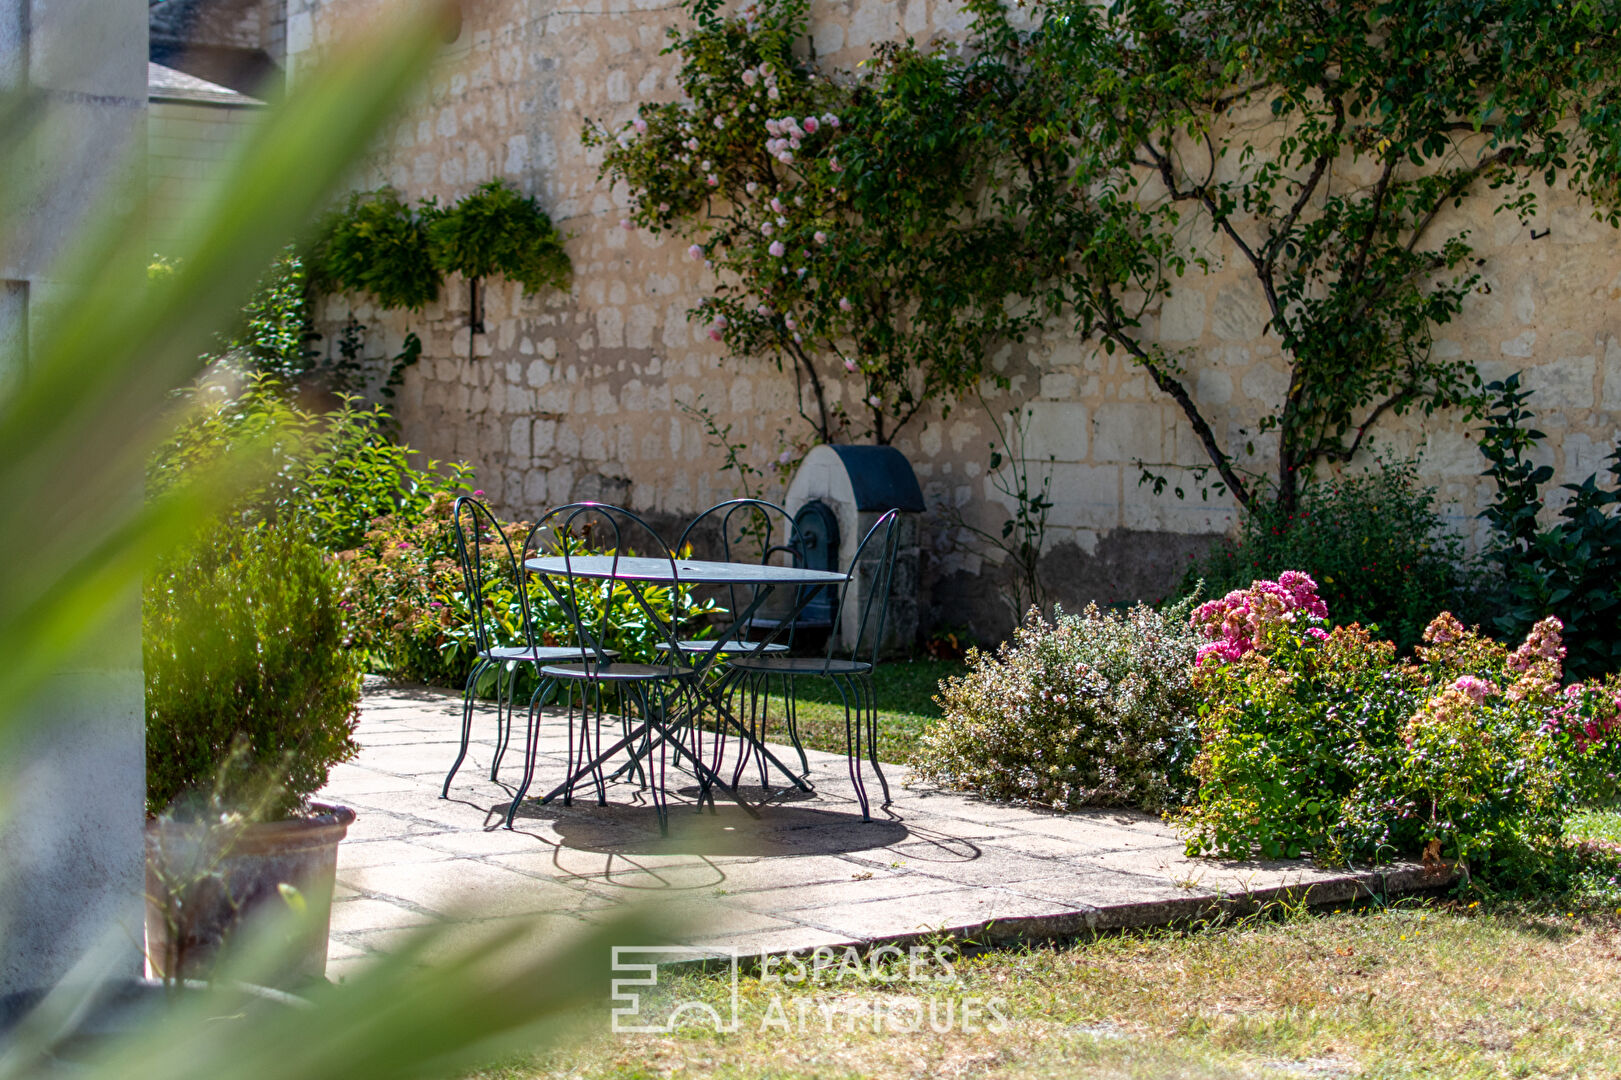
(487,557)
(592,672)
(751,530)
(850,672)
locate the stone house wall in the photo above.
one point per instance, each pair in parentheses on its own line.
(576,395)
(187,143)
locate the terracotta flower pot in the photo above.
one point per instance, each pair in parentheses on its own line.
(204,883)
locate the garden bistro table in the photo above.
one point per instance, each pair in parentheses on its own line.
(640,572)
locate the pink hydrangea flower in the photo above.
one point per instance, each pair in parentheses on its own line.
(776,248)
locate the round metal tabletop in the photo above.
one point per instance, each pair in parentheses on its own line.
(688,571)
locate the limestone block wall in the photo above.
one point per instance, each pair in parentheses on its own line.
(578,395)
(187,144)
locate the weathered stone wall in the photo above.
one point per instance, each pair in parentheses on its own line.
(575,395)
(187,145)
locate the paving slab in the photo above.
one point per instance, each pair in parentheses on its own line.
(800,872)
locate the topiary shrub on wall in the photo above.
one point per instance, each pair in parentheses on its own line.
(1095,709)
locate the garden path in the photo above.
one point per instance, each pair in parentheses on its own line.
(807,873)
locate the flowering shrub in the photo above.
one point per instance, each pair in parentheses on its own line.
(1376,544)
(1326,744)
(1245,618)
(1095,709)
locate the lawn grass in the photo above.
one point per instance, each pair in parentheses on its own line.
(1446,991)
(1602,825)
(905,690)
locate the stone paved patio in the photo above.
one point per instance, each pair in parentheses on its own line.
(807,872)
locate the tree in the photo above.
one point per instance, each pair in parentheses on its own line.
(844,219)
(1324,142)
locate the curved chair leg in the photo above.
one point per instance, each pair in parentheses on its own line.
(503,717)
(852,746)
(531,744)
(870,693)
(596,748)
(657,770)
(790,704)
(467,724)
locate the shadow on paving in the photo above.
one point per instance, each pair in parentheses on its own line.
(725,829)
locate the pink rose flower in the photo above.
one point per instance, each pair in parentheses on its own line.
(844,304)
(640,125)
(849,365)
(625,223)
(820,237)
(695,252)
(810,125)
(776,248)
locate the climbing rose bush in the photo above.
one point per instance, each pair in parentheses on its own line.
(1326,744)
(1095,709)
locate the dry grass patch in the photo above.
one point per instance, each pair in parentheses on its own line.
(1439,992)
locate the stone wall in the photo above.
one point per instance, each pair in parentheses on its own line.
(576,395)
(187,144)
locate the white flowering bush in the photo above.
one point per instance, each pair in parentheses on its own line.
(843,215)
(1095,709)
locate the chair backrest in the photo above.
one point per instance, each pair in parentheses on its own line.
(483,549)
(599,530)
(751,531)
(872,567)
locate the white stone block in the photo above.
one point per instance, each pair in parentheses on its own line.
(1124,432)
(1057,429)
(1182,316)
